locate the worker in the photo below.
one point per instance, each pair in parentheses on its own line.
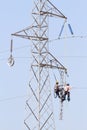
(62,94)
(57,89)
(67,91)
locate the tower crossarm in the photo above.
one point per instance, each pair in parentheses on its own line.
(47,10)
(27,33)
(51,63)
(51,66)
(53,9)
(54,63)
(51,14)
(36,38)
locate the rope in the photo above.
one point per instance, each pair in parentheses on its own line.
(61,111)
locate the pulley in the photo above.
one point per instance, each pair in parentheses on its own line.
(11,59)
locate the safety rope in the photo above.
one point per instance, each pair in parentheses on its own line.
(61,111)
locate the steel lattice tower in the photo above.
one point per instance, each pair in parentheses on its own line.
(39,102)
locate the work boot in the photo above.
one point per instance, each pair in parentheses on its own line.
(68,98)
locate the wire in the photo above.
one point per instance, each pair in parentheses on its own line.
(81,88)
(68,37)
(22,47)
(24,96)
(12,98)
(18,48)
(71,56)
(5,59)
(23,57)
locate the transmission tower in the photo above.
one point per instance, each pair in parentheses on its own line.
(39,103)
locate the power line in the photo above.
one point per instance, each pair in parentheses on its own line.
(61,38)
(24,57)
(80,88)
(12,98)
(79,56)
(68,37)
(24,96)
(5,59)
(18,48)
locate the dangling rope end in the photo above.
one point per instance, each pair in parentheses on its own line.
(61,111)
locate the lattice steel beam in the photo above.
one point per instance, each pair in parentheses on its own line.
(39,103)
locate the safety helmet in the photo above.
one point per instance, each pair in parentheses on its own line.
(67,84)
(57,82)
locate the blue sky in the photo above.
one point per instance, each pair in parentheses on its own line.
(16,15)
